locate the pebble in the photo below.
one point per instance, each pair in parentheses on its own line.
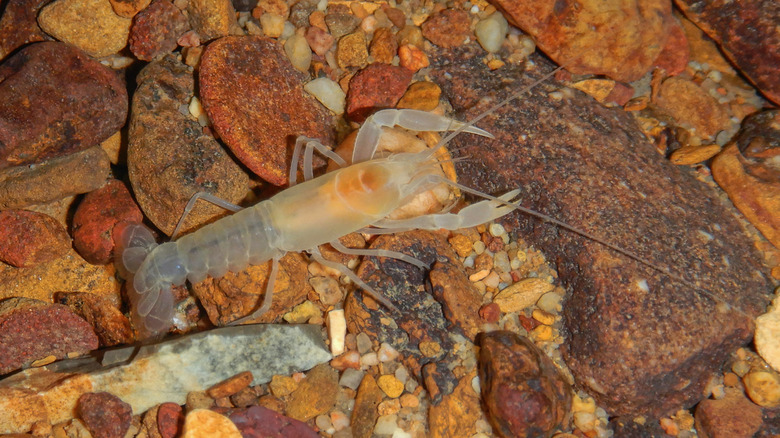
(211,19)
(767,335)
(350,359)
(156,30)
(351,378)
(732,416)
(412,58)
(352,50)
(491,33)
(389,407)
(386,425)
(319,40)
(688,103)
(298,51)
(364,344)
(543,317)
(28,238)
(111,326)
(231,385)
(90,25)
(550,302)
(409,401)
(364,414)
(384,46)
(763,387)
(339,420)
(340,21)
(522,294)
(272,25)
(19,24)
(104,414)
(460,243)
(424,96)
(390,385)
(281,386)
(447,28)
(328,92)
(257,421)
(337,331)
(206,423)
(368,360)
(170,418)
(374,87)
(386,353)
(315,395)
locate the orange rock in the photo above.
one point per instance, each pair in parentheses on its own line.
(412,58)
(690,104)
(365,412)
(456,414)
(315,395)
(688,155)
(230,386)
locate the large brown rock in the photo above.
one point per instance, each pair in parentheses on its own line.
(255,99)
(85,103)
(637,340)
(19,25)
(170,157)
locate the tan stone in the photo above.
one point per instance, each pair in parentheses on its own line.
(90,25)
(206,423)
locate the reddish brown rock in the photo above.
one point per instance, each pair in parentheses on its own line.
(747,33)
(111,326)
(523,391)
(622,43)
(260,422)
(255,99)
(376,87)
(85,103)
(745,171)
(733,416)
(31,330)
(319,40)
(237,294)
(230,386)
(490,313)
(95,218)
(169,157)
(104,414)
(156,30)
(632,350)
(675,54)
(458,297)
(365,414)
(447,28)
(170,419)
(19,25)
(692,107)
(28,238)
(55,179)
(383,45)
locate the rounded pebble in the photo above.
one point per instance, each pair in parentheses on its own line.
(763,387)
(329,93)
(298,51)
(390,386)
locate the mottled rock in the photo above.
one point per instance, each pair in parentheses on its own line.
(690,105)
(54,179)
(376,87)
(339,19)
(255,99)
(423,96)
(629,39)
(676,53)
(231,385)
(211,18)
(32,330)
(458,297)
(637,340)
(28,238)
(169,157)
(524,393)
(129,8)
(352,50)
(315,395)
(96,216)
(204,423)
(111,326)
(447,28)
(732,416)
(156,30)
(90,25)
(237,294)
(383,45)
(747,33)
(19,25)
(170,420)
(456,414)
(319,40)
(365,412)
(763,387)
(745,171)
(104,414)
(85,103)
(260,422)
(412,58)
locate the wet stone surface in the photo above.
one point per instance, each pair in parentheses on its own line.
(104,414)
(19,25)
(156,30)
(680,335)
(90,25)
(376,87)
(111,326)
(85,101)
(732,416)
(169,157)
(28,238)
(255,99)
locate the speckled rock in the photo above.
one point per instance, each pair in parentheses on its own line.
(19,25)
(690,105)
(447,28)
(339,19)
(633,350)
(90,25)
(238,294)
(745,171)
(55,179)
(733,416)
(211,18)
(383,45)
(376,87)
(524,393)
(96,216)
(111,326)
(315,395)
(421,332)
(352,50)
(365,411)
(169,157)
(170,420)
(28,238)
(260,422)
(255,99)
(456,414)
(156,30)
(31,330)
(458,297)
(629,39)
(85,103)
(104,414)
(747,33)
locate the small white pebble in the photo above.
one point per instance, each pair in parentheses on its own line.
(400,433)
(492,280)
(491,32)
(363,343)
(550,302)
(298,51)
(368,360)
(323,422)
(287,31)
(329,93)
(386,425)
(475,385)
(497,230)
(402,374)
(386,353)
(479,247)
(339,420)
(501,262)
(642,285)
(337,331)
(351,378)
(469,261)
